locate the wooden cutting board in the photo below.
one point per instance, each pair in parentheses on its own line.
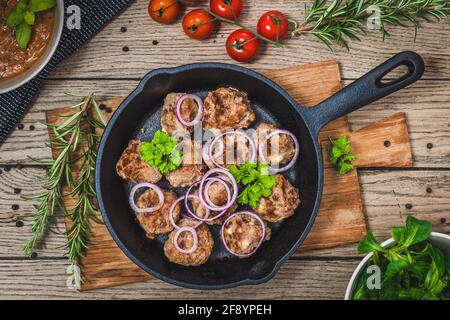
(340,219)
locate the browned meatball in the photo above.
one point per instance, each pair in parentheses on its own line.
(191,170)
(236,151)
(242,234)
(133,169)
(185,241)
(169,120)
(227,108)
(157,222)
(218,196)
(281,204)
(280,148)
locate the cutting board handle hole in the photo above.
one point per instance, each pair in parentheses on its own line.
(387,143)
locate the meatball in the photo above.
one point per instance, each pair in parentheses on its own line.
(191,169)
(218,196)
(157,222)
(281,204)
(227,108)
(185,241)
(280,149)
(242,234)
(236,151)
(132,168)
(169,120)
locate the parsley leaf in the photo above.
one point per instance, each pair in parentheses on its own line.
(257,181)
(160,152)
(341,155)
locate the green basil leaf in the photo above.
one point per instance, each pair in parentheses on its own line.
(29,17)
(416,231)
(15,18)
(23,35)
(41,5)
(398,233)
(395,267)
(369,244)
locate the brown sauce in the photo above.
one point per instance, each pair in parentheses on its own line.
(14,61)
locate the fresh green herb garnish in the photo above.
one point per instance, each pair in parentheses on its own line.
(70,174)
(23,17)
(257,180)
(160,153)
(411,269)
(341,154)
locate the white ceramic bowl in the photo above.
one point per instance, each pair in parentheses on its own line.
(440,240)
(21,79)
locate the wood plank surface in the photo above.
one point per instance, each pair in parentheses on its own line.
(103,56)
(385,195)
(426,104)
(302,279)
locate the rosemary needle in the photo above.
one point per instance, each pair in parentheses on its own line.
(337,22)
(70,175)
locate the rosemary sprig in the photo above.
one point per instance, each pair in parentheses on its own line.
(70,174)
(338,22)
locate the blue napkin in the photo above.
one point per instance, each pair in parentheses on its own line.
(94,15)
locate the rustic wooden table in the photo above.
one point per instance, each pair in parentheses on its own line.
(112,64)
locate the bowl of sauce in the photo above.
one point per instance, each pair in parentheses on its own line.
(18,66)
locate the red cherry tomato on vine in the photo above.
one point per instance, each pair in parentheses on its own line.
(228,9)
(163,11)
(273,25)
(242,45)
(198,24)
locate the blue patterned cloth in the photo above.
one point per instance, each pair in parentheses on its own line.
(94,15)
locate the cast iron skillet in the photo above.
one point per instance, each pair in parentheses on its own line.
(272,104)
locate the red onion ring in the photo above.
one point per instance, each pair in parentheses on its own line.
(199,115)
(296,154)
(209,182)
(208,211)
(194,235)
(253,215)
(230,201)
(158,191)
(216,138)
(206,147)
(172,208)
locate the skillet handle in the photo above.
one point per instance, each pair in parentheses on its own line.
(366,89)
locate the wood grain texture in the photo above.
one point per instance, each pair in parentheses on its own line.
(340,219)
(303,279)
(384,195)
(426,104)
(103,56)
(383,144)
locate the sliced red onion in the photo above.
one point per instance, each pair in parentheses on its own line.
(253,215)
(206,148)
(216,138)
(172,208)
(199,115)
(231,199)
(296,154)
(209,182)
(207,217)
(158,191)
(194,236)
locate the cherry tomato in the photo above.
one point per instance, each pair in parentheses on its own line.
(273,25)
(228,9)
(163,11)
(242,45)
(198,24)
